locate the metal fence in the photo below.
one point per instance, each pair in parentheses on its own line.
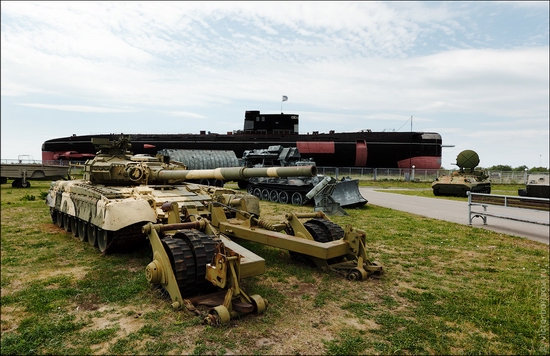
(418,175)
(400,174)
(34,161)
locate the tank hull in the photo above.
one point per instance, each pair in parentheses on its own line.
(538,186)
(460,189)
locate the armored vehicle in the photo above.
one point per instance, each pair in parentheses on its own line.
(466,179)
(293,190)
(126,200)
(122,192)
(537,186)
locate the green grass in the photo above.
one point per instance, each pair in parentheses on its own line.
(447,289)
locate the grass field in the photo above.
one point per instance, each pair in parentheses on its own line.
(447,289)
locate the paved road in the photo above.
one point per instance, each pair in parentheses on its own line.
(457,212)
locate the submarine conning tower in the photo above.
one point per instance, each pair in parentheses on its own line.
(257,123)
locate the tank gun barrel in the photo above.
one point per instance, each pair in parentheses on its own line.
(237,173)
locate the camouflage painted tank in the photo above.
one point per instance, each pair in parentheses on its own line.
(121,192)
(466,179)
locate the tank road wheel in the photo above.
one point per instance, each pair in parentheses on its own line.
(92,235)
(67,222)
(82,230)
(59,218)
(53,215)
(436,191)
(103,239)
(260,304)
(274,196)
(283,197)
(265,194)
(74,226)
(258,193)
(250,189)
(297,198)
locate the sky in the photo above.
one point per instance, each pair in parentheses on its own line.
(475,72)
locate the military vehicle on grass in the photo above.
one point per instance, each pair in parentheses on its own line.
(294,190)
(466,179)
(537,186)
(126,200)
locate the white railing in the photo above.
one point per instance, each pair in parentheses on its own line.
(504,201)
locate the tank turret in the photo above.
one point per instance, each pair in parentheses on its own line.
(120,192)
(466,179)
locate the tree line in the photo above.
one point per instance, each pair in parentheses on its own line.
(507,168)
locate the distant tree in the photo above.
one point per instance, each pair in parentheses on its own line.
(500,167)
(521,168)
(538,169)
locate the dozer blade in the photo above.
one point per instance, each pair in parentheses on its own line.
(346,193)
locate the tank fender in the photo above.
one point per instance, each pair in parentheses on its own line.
(67,204)
(113,216)
(85,207)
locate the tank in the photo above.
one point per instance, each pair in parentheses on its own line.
(465,179)
(126,200)
(294,190)
(121,192)
(537,186)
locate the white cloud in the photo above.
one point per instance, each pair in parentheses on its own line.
(77,108)
(344,65)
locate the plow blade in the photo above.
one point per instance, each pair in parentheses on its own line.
(346,193)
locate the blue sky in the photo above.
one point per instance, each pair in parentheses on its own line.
(475,72)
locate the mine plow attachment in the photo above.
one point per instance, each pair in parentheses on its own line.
(347,194)
(195,268)
(331,195)
(318,240)
(323,194)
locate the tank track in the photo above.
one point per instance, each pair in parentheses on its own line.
(127,239)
